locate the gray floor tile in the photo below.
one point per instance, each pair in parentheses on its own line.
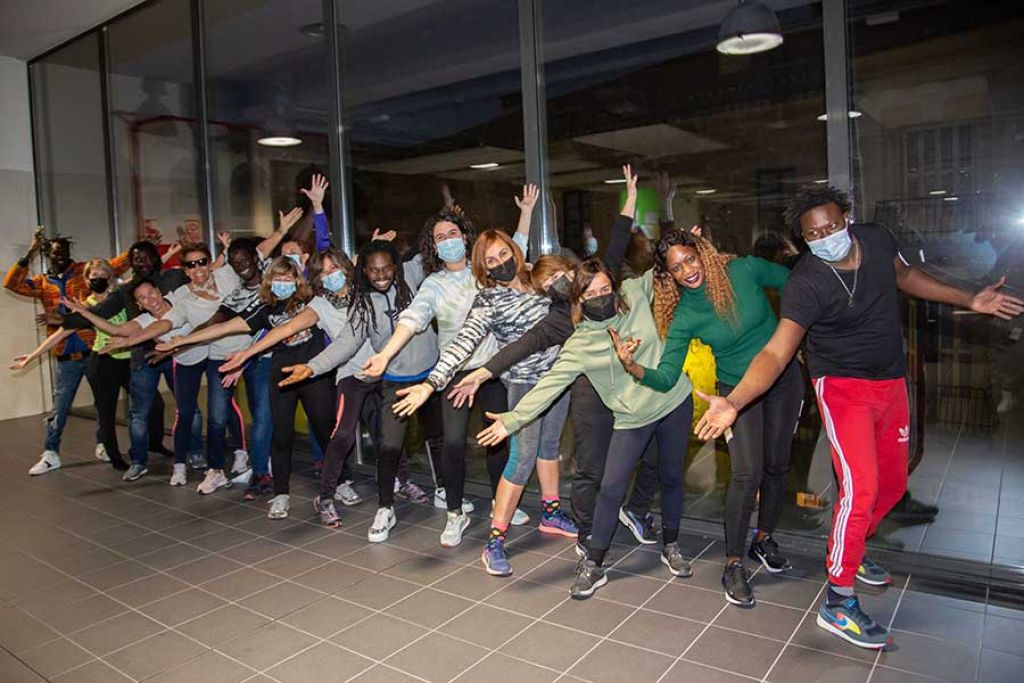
(378,591)
(149,589)
(929,615)
(117,575)
(281,599)
(83,613)
(1005,634)
(654,631)
(333,577)
(685,671)
(945,659)
(680,600)
(527,598)
(472,583)
(115,633)
(422,569)
(322,662)
(883,674)
(255,551)
(551,646)
(93,672)
(292,563)
(160,653)
(768,621)
(614,662)
(172,556)
(381,673)
(182,607)
(719,647)
(429,608)
(800,664)
(326,616)
(379,636)
(783,590)
(210,667)
(1000,667)
(204,569)
(596,616)
(222,625)
(54,658)
(266,646)
(436,657)
(498,668)
(241,584)
(486,626)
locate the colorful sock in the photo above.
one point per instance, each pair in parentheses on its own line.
(551,507)
(497,533)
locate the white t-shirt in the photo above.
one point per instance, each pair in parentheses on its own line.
(190,356)
(197,310)
(332,320)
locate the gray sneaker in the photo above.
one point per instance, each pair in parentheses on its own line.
(135,472)
(589,577)
(672,557)
(197,461)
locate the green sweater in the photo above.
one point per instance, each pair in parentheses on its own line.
(589,351)
(102,337)
(733,343)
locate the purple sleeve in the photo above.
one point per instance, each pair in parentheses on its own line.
(323,231)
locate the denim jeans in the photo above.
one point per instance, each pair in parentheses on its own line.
(69,376)
(187,379)
(143,387)
(221,407)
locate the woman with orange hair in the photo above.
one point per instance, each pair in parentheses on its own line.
(507,307)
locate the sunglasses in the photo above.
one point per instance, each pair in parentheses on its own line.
(198,263)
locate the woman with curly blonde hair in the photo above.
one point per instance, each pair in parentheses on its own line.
(720,299)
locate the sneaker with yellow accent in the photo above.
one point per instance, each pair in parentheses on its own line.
(873,574)
(844,617)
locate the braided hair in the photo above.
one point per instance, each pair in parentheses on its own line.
(811,197)
(360,304)
(666,290)
(432,263)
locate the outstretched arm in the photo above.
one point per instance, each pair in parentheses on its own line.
(989,300)
(100,323)
(304,320)
(20,362)
(235,325)
(154,330)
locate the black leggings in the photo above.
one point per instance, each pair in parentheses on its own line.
(759,449)
(592,428)
(491,397)
(317,396)
(107,376)
(626,448)
(433,433)
(392,441)
(353,394)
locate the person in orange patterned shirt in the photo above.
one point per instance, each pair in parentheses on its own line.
(63,278)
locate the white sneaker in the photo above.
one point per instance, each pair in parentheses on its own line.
(453,528)
(383,522)
(1006,403)
(441,501)
(519,518)
(215,480)
(179,476)
(242,479)
(346,495)
(48,462)
(241,463)
(101,453)
(279,505)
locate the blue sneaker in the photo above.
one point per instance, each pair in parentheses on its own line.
(846,620)
(559,524)
(642,528)
(495,560)
(873,574)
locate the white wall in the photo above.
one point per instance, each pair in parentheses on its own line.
(21,394)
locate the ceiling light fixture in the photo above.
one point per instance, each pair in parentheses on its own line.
(853,114)
(615,181)
(747,29)
(279,141)
(937,193)
(821,181)
(950,199)
(706,192)
(485,167)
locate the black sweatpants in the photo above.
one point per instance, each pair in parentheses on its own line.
(392,441)
(626,448)
(352,395)
(490,397)
(107,377)
(592,429)
(759,450)
(317,397)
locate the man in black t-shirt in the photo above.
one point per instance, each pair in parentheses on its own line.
(844,296)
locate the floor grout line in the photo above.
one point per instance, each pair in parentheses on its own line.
(895,611)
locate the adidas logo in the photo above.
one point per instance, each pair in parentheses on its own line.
(904,434)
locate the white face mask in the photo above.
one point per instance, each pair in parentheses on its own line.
(833,248)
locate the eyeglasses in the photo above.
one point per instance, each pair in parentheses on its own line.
(198,263)
(812,234)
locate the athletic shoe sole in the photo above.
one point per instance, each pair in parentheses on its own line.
(465,525)
(873,582)
(842,634)
(584,595)
(333,525)
(489,570)
(739,603)
(685,573)
(387,532)
(555,531)
(767,567)
(49,469)
(624,520)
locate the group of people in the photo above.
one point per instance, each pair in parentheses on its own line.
(470,321)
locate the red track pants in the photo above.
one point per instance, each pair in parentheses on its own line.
(868,428)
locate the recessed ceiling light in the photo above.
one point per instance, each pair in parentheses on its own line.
(853,114)
(937,193)
(821,181)
(615,181)
(484,167)
(950,199)
(279,141)
(708,191)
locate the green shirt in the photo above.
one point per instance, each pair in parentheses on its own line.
(102,337)
(734,343)
(589,351)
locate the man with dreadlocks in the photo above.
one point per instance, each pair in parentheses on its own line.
(845,297)
(720,299)
(380,293)
(63,278)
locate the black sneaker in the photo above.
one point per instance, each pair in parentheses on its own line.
(672,557)
(766,551)
(737,585)
(642,527)
(589,577)
(912,511)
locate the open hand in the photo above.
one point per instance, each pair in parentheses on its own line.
(285,221)
(666,187)
(157,357)
(375,365)
(412,398)
(993,302)
(631,178)
(530,195)
(50,318)
(716,419)
(234,362)
(224,238)
(317,188)
(295,374)
(494,434)
(464,392)
(386,236)
(20,362)
(73,305)
(230,379)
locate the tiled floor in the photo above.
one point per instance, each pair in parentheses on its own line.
(102,581)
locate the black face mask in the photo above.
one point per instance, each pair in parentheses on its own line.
(505,271)
(98,284)
(560,288)
(600,308)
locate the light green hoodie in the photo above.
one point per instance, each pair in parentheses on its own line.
(589,351)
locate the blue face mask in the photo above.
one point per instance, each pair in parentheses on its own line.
(334,282)
(296,259)
(833,248)
(590,247)
(451,250)
(282,290)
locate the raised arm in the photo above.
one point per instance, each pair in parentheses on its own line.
(766,367)
(17,279)
(284,224)
(525,203)
(615,253)
(317,188)
(20,362)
